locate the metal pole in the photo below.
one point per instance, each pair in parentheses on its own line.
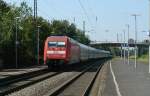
(149,52)
(117,38)
(38,45)
(16,42)
(16,47)
(106,34)
(1,26)
(121,51)
(35,31)
(74,20)
(124,54)
(135,41)
(84,27)
(135,17)
(96,19)
(149,36)
(128,42)
(121,46)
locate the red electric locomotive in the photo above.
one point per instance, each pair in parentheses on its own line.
(60,50)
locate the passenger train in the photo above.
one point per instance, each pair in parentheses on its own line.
(60,50)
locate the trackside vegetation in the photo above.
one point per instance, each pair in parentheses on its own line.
(26,33)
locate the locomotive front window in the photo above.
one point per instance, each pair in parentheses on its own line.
(61,44)
(56,44)
(52,44)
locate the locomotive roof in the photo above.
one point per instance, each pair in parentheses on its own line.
(58,36)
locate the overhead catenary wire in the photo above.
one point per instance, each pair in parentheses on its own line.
(85,12)
(43,12)
(92,14)
(53,8)
(90,8)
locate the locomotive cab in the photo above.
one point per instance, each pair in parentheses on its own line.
(55,51)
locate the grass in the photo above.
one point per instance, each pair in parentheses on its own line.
(143,58)
(132,57)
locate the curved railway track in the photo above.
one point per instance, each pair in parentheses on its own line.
(56,83)
(72,86)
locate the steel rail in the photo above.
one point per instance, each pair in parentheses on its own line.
(57,90)
(35,80)
(23,79)
(20,77)
(88,89)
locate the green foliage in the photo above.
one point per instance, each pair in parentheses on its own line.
(144,58)
(26,33)
(4,6)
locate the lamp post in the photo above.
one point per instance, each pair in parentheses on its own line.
(135,17)
(124,45)
(128,42)
(16,41)
(121,44)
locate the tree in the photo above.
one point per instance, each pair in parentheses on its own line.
(26,33)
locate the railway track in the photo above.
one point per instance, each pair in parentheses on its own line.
(56,83)
(13,79)
(78,85)
(11,85)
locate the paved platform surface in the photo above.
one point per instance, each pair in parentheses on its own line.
(126,80)
(12,72)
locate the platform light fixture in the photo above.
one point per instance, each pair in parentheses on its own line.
(135,18)
(128,27)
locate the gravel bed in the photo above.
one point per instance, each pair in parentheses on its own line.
(45,86)
(99,84)
(78,87)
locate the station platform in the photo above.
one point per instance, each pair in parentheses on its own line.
(124,79)
(7,73)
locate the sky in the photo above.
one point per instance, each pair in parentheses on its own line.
(112,16)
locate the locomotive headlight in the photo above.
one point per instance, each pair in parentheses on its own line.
(61,52)
(56,52)
(50,52)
